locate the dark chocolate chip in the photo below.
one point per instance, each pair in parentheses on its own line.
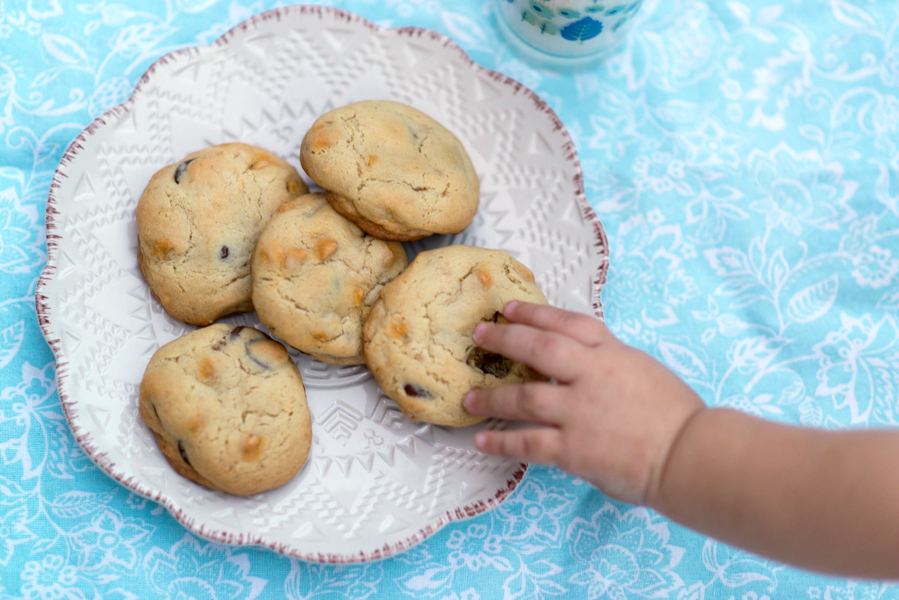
(414,391)
(224,253)
(180,169)
(264,365)
(235,333)
(489,363)
(183,453)
(254,358)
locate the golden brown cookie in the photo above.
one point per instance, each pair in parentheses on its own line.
(316,276)
(228,407)
(417,339)
(391,169)
(197,222)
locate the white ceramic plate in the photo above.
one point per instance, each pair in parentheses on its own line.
(376,482)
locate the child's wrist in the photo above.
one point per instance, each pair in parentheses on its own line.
(655,492)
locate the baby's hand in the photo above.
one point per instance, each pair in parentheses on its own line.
(612,418)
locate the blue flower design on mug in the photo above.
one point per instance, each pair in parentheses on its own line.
(569,27)
(584,29)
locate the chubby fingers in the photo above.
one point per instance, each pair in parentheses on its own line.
(587,330)
(550,353)
(541,445)
(533,402)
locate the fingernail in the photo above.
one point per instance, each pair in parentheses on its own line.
(478,331)
(480,440)
(511,306)
(468,401)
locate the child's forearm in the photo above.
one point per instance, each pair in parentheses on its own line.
(821,500)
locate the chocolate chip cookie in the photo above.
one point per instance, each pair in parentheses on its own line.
(228,407)
(197,223)
(316,276)
(417,339)
(391,169)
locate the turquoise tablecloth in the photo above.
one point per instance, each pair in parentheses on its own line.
(743,158)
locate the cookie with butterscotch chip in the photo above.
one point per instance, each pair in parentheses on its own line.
(228,407)
(417,339)
(197,222)
(316,276)
(391,169)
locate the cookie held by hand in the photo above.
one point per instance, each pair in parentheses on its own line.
(228,407)
(197,223)
(417,339)
(316,276)
(391,169)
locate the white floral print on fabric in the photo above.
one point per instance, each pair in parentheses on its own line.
(535,513)
(191,569)
(20,236)
(627,554)
(50,577)
(109,542)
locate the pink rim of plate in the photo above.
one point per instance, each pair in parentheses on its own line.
(70,407)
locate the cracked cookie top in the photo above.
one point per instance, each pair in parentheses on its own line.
(417,339)
(197,223)
(228,407)
(316,276)
(391,169)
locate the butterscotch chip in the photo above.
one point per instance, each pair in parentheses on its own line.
(391,169)
(228,407)
(197,222)
(524,272)
(417,339)
(294,258)
(398,329)
(317,298)
(324,248)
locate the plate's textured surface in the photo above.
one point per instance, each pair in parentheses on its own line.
(375,482)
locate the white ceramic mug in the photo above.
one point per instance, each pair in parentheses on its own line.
(565,33)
